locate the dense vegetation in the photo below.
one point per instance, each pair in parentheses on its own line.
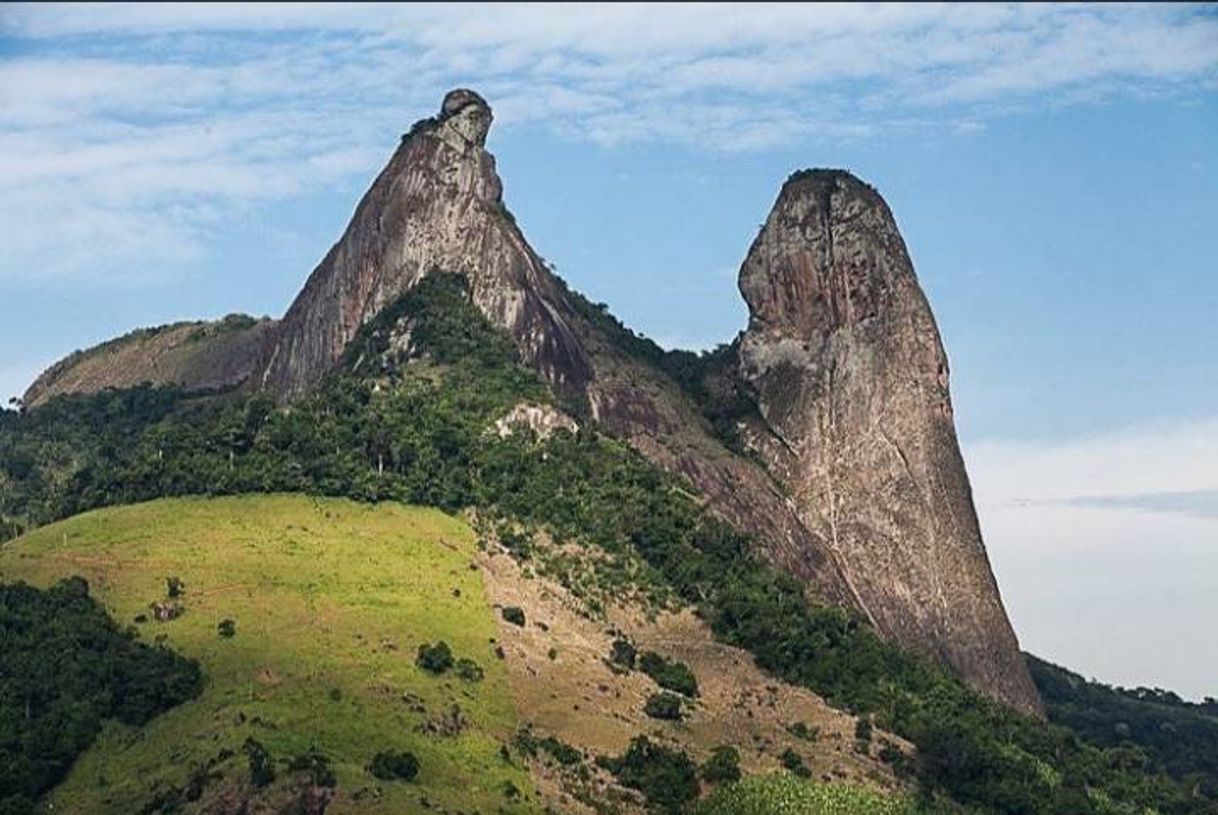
(65,667)
(1176,736)
(413,427)
(787,795)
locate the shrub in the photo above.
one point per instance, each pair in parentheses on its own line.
(262,769)
(394,766)
(468,670)
(674,676)
(801,731)
(174,587)
(623,653)
(668,778)
(514,615)
(317,765)
(227,628)
(793,762)
(436,658)
(663,705)
(723,765)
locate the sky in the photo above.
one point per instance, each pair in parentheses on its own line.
(1053,169)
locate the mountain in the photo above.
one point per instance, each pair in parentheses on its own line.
(833,443)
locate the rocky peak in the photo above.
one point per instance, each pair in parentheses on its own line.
(437,206)
(851,382)
(466,114)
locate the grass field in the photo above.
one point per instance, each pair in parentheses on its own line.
(331,600)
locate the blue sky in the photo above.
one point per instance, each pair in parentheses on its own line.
(1054,170)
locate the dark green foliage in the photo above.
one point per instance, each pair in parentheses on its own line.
(227,629)
(663,705)
(174,587)
(65,667)
(675,676)
(668,778)
(467,669)
(414,430)
(792,761)
(801,731)
(1179,736)
(436,658)
(862,734)
(514,615)
(317,765)
(723,766)
(395,766)
(261,765)
(623,653)
(560,751)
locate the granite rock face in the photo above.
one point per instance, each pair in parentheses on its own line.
(201,357)
(850,378)
(437,206)
(854,482)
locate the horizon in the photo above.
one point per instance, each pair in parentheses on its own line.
(1061,227)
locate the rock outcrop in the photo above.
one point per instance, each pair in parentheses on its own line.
(195,356)
(851,381)
(437,206)
(854,481)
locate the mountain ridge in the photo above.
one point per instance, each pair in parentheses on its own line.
(438,205)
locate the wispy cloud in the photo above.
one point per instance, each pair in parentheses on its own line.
(1106,549)
(156,122)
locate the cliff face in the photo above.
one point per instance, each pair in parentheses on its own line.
(845,362)
(855,484)
(437,206)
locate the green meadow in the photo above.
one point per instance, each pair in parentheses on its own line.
(331,600)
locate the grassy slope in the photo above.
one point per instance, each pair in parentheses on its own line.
(326,594)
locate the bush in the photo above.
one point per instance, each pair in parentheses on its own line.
(227,628)
(801,731)
(674,676)
(623,654)
(663,705)
(262,768)
(722,766)
(514,615)
(174,587)
(668,778)
(436,658)
(317,765)
(794,762)
(468,670)
(394,766)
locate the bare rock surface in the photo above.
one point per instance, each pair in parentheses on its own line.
(846,365)
(196,356)
(437,206)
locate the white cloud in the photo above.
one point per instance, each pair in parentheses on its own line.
(1106,550)
(166,113)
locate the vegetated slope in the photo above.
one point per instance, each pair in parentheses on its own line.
(330,601)
(66,667)
(195,356)
(851,480)
(412,415)
(582,658)
(1156,726)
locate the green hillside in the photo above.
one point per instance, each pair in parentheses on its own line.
(331,600)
